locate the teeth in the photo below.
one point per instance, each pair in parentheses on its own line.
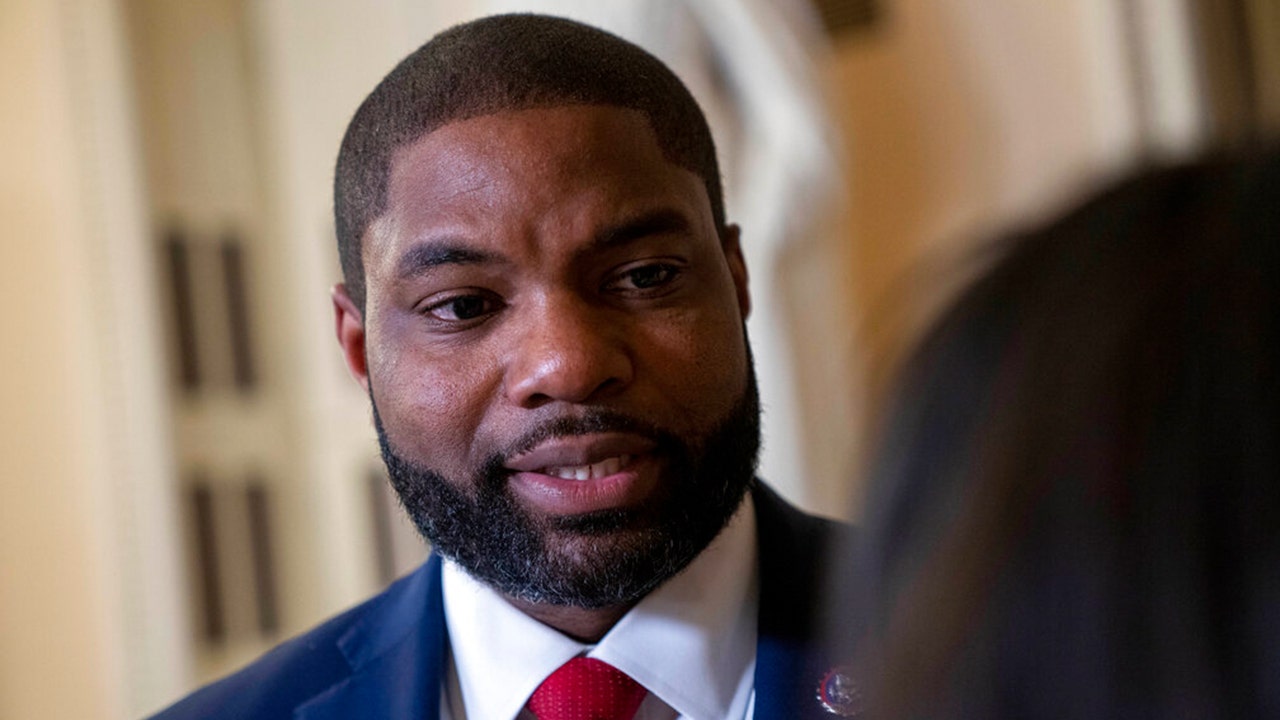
(604,468)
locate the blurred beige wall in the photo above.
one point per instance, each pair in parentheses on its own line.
(968,117)
(87,599)
(54,633)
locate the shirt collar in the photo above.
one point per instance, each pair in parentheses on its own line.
(691,641)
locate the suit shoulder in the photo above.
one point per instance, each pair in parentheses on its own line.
(285,676)
(796,530)
(796,550)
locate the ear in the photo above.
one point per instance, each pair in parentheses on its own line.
(729,244)
(349,324)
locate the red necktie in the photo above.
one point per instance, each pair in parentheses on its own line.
(587,689)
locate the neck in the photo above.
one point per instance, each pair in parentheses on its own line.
(586,625)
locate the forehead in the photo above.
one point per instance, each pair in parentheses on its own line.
(517,171)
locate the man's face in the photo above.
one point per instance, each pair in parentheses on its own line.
(553,342)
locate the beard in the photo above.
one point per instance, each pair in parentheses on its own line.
(591,560)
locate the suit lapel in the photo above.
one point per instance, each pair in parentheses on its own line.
(397,657)
(791,655)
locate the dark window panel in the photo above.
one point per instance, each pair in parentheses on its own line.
(214,624)
(264,572)
(234,289)
(184,316)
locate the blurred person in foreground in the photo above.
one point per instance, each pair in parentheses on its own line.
(545,303)
(1076,509)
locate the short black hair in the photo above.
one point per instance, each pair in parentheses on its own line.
(504,63)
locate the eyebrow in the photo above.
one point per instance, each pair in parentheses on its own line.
(656,222)
(434,253)
(429,254)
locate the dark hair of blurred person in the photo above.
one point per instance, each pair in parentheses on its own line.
(1076,507)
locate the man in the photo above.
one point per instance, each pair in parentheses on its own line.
(545,304)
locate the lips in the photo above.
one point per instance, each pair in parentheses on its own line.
(593,452)
(586,473)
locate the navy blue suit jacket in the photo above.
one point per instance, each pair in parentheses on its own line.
(386,658)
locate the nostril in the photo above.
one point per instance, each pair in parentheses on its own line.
(535,401)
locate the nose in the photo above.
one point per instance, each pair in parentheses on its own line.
(568,351)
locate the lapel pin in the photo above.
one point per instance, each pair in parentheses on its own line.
(839,694)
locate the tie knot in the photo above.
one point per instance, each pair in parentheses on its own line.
(586,689)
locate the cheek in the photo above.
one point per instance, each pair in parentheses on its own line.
(699,362)
(431,404)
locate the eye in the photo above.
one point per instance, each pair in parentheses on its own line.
(462,308)
(646,277)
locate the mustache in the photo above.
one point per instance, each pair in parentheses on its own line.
(589,423)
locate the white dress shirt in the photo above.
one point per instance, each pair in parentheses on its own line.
(691,642)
